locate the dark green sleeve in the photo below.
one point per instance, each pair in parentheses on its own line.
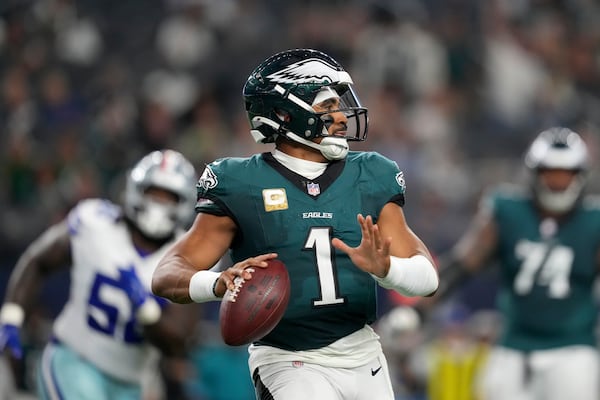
(221,180)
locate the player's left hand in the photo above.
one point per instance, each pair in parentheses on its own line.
(372,255)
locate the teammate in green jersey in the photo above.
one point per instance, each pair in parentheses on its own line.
(333,216)
(546,239)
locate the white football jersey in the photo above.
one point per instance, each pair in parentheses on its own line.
(97,320)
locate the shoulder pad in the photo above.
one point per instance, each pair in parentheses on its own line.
(92,212)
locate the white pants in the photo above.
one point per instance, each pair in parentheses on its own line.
(302,381)
(556,374)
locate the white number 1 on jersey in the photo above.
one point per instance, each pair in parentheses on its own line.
(319,240)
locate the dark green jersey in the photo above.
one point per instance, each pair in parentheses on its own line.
(548,271)
(279,211)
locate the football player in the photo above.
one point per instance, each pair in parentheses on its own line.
(546,239)
(102,338)
(333,216)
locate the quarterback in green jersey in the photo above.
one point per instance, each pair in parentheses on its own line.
(333,216)
(546,239)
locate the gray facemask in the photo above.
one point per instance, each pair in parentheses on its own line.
(156,220)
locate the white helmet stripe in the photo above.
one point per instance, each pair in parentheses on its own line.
(294,99)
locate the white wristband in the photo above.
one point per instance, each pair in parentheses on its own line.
(12,314)
(202,285)
(414,276)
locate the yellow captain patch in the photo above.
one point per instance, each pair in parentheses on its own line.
(275,199)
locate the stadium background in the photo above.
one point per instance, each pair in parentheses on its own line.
(455,91)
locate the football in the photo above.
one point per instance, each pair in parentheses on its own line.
(255,306)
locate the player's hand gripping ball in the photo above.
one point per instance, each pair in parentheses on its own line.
(255,306)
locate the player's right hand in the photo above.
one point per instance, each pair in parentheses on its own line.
(9,340)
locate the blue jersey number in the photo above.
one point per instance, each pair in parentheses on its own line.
(107,313)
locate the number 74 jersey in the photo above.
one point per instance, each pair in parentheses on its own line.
(548,269)
(279,211)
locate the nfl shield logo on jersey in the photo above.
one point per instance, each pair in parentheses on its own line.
(313,189)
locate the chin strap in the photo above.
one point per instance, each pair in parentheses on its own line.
(333,148)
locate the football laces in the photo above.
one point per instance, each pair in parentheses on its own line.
(238,281)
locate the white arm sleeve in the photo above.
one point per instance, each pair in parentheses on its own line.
(414,276)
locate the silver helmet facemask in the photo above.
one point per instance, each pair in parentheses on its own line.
(333,146)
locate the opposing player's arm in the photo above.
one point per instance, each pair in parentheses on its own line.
(47,254)
(201,247)
(173,335)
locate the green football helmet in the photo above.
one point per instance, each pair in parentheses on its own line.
(280,93)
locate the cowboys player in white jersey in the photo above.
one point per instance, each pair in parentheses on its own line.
(104,336)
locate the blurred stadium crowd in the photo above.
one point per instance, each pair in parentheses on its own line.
(455,91)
